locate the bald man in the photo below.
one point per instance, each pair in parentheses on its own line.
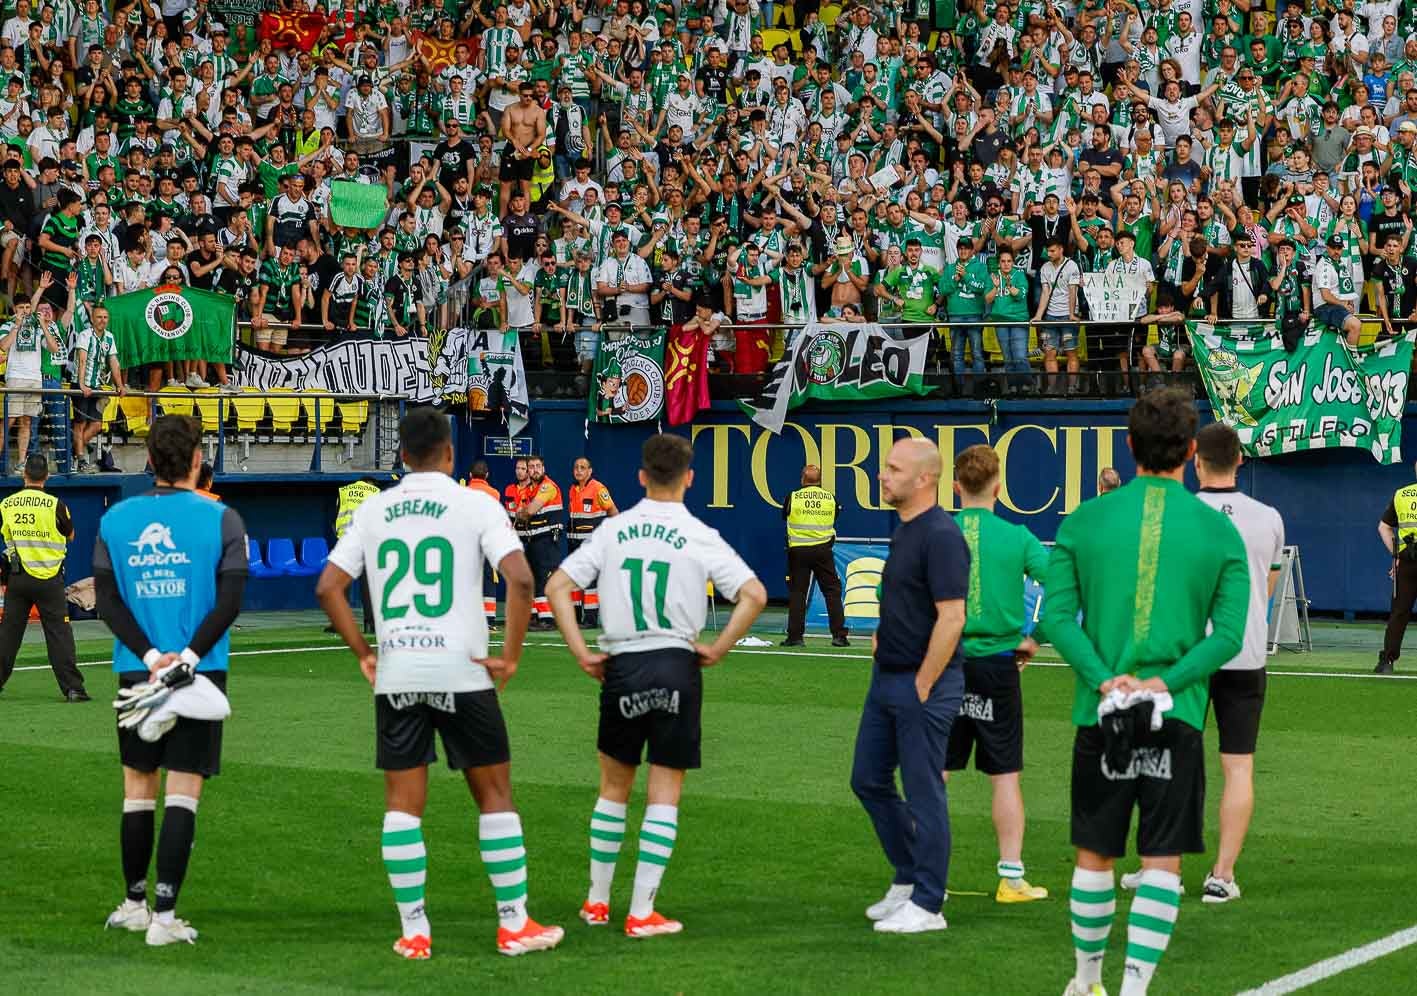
(1108,480)
(811,513)
(917,685)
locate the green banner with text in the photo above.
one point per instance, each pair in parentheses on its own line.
(1323,394)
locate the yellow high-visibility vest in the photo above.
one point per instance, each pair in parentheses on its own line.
(1404,502)
(31,531)
(811,517)
(351,496)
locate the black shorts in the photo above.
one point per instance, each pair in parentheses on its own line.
(652,697)
(990,719)
(470,724)
(514,168)
(1238,699)
(192,745)
(88,409)
(1166,782)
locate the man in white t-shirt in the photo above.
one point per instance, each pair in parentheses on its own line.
(625,277)
(652,564)
(1060,281)
(1335,291)
(424,543)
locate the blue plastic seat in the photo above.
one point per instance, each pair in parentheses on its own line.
(256,565)
(280,554)
(314,551)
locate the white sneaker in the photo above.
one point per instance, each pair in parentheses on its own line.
(1217,890)
(129,915)
(176,932)
(910,919)
(1076,988)
(1131,880)
(896,897)
(193,381)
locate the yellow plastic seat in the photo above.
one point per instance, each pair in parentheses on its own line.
(773,37)
(249,411)
(211,409)
(136,414)
(285,409)
(328,412)
(353,415)
(828,15)
(176,401)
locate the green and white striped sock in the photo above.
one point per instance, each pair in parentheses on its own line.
(657,836)
(1011,870)
(504,857)
(1149,926)
(607,833)
(406,861)
(1093,904)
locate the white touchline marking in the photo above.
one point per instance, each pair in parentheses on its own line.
(748,650)
(1330,967)
(234,653)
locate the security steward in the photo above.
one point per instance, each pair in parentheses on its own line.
(811,513)
(591,505)
(1398,529)
(351,496)
(477,481)
(37,527)
(539,524)
(512,493)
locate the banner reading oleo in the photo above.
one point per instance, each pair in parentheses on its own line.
(1047,469)
(841,363)
(1325,393)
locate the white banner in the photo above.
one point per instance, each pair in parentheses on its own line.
(482,369)
(1114,297)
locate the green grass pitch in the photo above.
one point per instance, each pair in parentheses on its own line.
(775,861)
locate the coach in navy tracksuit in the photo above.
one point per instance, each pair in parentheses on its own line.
(917,684)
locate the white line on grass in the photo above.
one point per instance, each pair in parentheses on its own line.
(1329,967)
(234,653)
(749,650)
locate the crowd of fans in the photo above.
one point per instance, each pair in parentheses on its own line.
(743,165)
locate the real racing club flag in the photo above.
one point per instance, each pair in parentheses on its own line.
(627,384)
(172,323)
(292,30)
(686,386)
(358,205)
(435,52)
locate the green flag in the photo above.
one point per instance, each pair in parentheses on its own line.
(358,205)
(1323,394)
(172,323)
(840,363)
(628,381)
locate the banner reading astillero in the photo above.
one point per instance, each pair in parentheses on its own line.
(1323,394)
(841,363)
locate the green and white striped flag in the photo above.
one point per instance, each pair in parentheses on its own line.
(1323,394)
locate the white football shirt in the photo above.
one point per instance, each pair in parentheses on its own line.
(423,544)
(1262,529)
(654,562)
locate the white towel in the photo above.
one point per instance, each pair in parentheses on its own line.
(1117,701)
(202,699)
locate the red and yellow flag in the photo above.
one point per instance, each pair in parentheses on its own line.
(292,30)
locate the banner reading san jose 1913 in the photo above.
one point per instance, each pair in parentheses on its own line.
(841,362)
(1323,394)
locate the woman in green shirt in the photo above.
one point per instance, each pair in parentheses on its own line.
(1007,300)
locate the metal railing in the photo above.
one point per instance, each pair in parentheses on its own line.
(232,427)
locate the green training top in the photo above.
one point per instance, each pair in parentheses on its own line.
(1148,565)
(1000,554)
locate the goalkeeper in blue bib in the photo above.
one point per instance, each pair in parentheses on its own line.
(169,570)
